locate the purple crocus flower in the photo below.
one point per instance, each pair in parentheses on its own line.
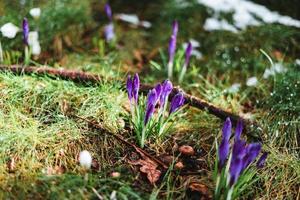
(172,48)
(149,113)
(188,53)
(238,130)
(225,144)
(25,31)
(109,32)
(261,162)
(167,88)
(252,151)
(108,11)
(177,102)
(136,87)
(129,87)
(152,98)
(235,169)
(239,149)
(175,28)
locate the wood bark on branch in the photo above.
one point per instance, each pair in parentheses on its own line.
(85,77)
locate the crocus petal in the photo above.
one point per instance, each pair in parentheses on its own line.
(149,113)
(172,48)
(167,88)
(129,84)
(238,130)
(261,162)
(252,151)
(177,102)
(235,170)
(223,153)
(136,87)
(152,98)
(188,53)
(25,31)
(109,32)
(239,149)
(158,89)
(108,11)
(35,12)
(226,131)
(175,28)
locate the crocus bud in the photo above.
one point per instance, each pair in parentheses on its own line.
(235,170)
(225,144)
(261,162)
(85,159)
(158,89)
(238,130)
(152,98)
(167,87)
(177,102)
(129,87)
(175,28)
(149,113)
(172,48)
(188,53)
(9,30)
(136,87)
(35,12)
(108,11)
(25,31)
(109,32)
(252,151)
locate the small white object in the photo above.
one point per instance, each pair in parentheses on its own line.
(33,41)
(276,68)
(9,30)
(234,88)
(133,19)
(252,81)
(35,12)
(212,24)
(113,195)
(85,159)
(297,62)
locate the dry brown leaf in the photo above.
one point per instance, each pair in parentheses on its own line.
(201,188)
(150,168)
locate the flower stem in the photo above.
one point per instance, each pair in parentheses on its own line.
(1,53)
(170,70)
(182,73)
(27,56)
(229,194)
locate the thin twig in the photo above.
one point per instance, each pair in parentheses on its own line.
(85,77)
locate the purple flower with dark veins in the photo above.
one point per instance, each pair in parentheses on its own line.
(261,162)
(238,130)
(188,53)
(25,31)
(225,144)
(108,11)
(167,88)
(136,87)
(177,102)
(158,89)
(109,32)
(129,85)
(151,102)
(149,113)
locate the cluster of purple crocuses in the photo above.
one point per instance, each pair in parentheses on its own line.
(172,52)
(156,103)
(242,155)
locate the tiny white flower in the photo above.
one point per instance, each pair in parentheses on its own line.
(297,61)
(35,12)
(9,30)
(252,81)
(234,88)
(85,159)
(36,49)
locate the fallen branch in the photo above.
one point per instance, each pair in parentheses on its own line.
(79,76)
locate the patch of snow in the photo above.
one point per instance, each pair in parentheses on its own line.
(9,30)
(212,24)
(252,81)
(245,13)
(234,88)
(133,19)
(276,68)
(35,12)
(33,41)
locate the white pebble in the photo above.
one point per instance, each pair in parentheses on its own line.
(85,159)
